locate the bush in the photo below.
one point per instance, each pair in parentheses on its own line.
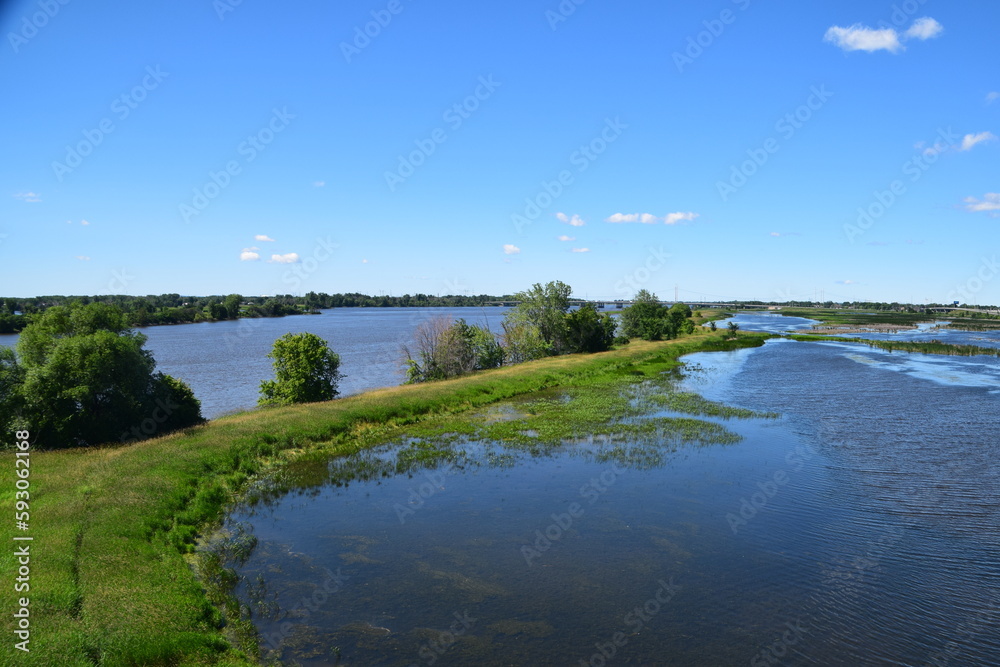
(306,370)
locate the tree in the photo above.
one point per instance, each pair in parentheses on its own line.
(522,342)
(733,328)
(232,304)
(84,379)
(711,325)
(588,331)
(543,307)
(447,349)
(645,318)
(306,370)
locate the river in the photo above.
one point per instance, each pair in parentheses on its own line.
(224,362)
(862,527)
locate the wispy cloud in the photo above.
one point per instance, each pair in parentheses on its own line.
(364,261)
(319,184)
(83,258)
(567,238)
(509,249)
(249,255)
(263,237)
(847,282)
(860,37)
(650,219)
(970,140)
(775,233)
(924,28)
(84,223)
(580,250)
(990,203)
(992,97)
(674,218)
(28,197)
(287,258)
(574,220)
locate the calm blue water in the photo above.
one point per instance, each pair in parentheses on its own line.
(861,528)
(224,362)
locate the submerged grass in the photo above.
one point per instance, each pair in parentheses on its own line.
(114,528)
(930,347)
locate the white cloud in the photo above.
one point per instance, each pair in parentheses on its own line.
(28,197)
(989,203)
(364,261)
(674,218)
(575,220)
(567,238)
(580,250)
(648,219)
(862,38)
(509,249)
(249,255)
(622,217)
(319,184)
(847,282)
(288,258)
(775,234)
(924,28)
(84,223)
(970,140)
(263,237)
(992,97)
(83,258)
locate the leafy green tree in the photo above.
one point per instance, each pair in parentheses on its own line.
(447,349)
(218,311)
(306,370)
(11,398)
(588,331)
(733,328)
(86,380)
(522,341)
(711,325)
(232,304)
(544,307)
(645,318)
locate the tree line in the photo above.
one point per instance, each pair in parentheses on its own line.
(80,375)
(540,325)
(149,310)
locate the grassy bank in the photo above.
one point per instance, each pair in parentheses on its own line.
(838,317)
(113,528)
(930,347)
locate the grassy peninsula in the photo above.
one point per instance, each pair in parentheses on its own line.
(113,566)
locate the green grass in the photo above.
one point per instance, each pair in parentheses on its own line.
(836,316)
(112,579)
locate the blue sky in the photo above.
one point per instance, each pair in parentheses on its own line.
(730,149)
